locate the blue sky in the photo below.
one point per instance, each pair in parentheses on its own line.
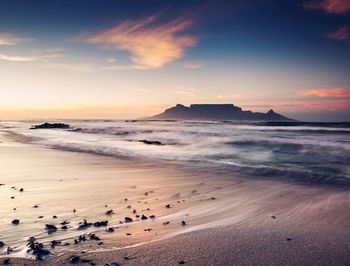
(130,58)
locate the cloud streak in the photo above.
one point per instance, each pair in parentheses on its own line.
(151,45)
(334,93)
(11,39)
(330,6)
(30,58)
(342,34)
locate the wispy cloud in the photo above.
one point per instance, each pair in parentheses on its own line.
(335,92)
(151,44)
(186,92)
(11,39)
(36,57)
(192,65)
(330,6)
(78,67)
(341,34)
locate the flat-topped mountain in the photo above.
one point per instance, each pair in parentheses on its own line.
(217,112)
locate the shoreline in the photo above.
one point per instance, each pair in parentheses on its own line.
(209,206)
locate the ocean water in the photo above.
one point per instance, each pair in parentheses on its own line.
(311,153)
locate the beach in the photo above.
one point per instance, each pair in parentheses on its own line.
(199,218)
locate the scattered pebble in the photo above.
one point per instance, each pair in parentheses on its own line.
(183,223)
(15,222)
(128,219)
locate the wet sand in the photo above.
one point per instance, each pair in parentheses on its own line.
(229,220)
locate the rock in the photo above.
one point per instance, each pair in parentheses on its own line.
(54,243)
(273,217)
(21,190)
(84,225)
(110,230)
(2,244)
(94,237)
(166,223)
(64,227)
(289,239)
(36,206)
(167,206)
(143,217)
(15,222)
(152,216)
(182,262)
(12,197)
(151,142)
(128,219)
(183,223)
(74,259)
(82,238)
(64,222)
(54,217)
(51,227)
(40,217)
(6,261)
(110,212)
(213,198)
(50,126)
(101,223)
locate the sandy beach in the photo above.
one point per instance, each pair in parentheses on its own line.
(198,219)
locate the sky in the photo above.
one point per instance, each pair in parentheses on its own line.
(129,59)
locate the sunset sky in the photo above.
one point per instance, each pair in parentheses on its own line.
(124,59)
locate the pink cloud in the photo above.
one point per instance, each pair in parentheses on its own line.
(151,44)
(330,6)
(341,34)
(335,92)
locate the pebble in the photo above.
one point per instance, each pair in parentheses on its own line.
(15,222)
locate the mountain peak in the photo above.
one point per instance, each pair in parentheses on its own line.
(217,112)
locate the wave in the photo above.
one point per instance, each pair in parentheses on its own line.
(317,154)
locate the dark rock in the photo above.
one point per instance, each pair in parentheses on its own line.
(82,238)
(273,217)
(64,222)
(166,223)
(36,206)
(182,262)
(12,197)
(128,219)
(15,222)
(74,259)
(151,142)
(50,227)
(21,190)
(55,243)
(54,217)
(110,230)
(183,223)
(101,223)
(50,126)
(7,261)
(94,237)
(40,217)
(289,239)
(2,244)
(152,216)
(64,227)
(110,212)
(167,206)
(143,217)
(84,225)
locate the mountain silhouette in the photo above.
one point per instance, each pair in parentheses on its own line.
(217,112)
